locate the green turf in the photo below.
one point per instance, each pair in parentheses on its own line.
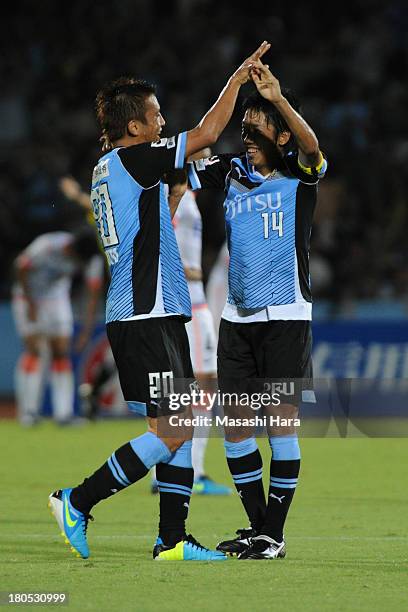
(347,532)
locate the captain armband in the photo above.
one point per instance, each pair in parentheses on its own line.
(319,171)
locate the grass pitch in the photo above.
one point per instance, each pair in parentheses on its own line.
(347,531)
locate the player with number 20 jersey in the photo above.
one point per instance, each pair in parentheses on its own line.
(147,305)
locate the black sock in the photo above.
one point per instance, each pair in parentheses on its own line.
(175,484)
(122,469)
(245,464)
(284,477)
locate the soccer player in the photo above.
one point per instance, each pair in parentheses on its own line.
(147,304)
(42,310)
(265,330)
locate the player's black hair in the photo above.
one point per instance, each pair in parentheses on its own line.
(119,102)
(258,103)
(85,243)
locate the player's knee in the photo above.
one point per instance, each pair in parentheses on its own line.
(59,348)
(32,346)
(281,420)
(164,433)
(29,362)
(234,438)
(59,354)
(182,455)
(173,444)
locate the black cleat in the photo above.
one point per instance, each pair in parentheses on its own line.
(264,547)
(239,544)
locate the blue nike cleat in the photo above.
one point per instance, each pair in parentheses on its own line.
(72,523)
(188,549)
(205,486)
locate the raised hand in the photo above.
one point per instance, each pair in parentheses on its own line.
(69,187)
(242,74)
(265,82)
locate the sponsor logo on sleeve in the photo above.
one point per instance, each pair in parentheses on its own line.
(201,164)
(101,171)
(169,143)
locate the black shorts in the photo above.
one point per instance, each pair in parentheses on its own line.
(266,356)
(153,361)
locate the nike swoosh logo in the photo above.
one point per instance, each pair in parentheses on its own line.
(68,519)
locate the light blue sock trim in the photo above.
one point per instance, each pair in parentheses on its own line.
(177,492)
(119,469)
(285,448)
(171,485)
(249,479)
(182,456)
(150,449)
(233,450)
(281,485)
(247,474)
(115,473)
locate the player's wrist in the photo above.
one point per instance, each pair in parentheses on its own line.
(279,102)
(236,81)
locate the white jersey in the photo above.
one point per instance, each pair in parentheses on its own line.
(217,285)
(200,330)
(51,268)
(188,226)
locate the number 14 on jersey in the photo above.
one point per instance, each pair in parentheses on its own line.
(272,222)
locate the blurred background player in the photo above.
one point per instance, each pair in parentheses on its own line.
(217,286)
(42,311)
(105,374)
(187,223)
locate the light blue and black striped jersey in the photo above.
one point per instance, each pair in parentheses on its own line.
(133,219)
(268,225)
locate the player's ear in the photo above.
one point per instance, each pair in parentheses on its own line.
(133,127)
(283,138)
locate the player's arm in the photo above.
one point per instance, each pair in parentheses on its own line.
(23,270)
(177,183)
(309,156)
(207,132)
(175,195)
(28,261)
(193,274)
(72,191)
(209,172)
